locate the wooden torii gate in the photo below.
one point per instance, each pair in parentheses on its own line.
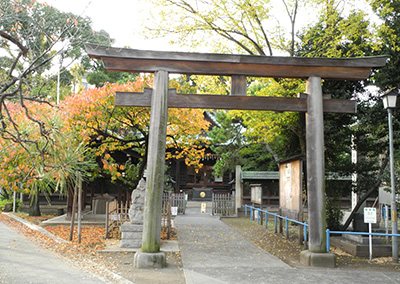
(160,98)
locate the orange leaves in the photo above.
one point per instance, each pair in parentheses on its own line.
(92,238)
(74,20)
(93,112)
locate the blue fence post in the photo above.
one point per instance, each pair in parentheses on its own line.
(251,214)
(328,245)
(245,210)
(258,216)
(266,219)
(305,233)
(287,227)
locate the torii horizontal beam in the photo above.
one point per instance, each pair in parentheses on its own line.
(231,102)
(134,60)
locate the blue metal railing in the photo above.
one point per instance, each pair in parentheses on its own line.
(328,232)
(276,216)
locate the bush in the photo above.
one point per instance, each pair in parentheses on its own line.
(334,214)
(3,203)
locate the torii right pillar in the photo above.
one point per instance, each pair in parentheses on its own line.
(316,255)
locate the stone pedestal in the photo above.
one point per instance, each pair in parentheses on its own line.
(149,260)
(314,259)
(131,235)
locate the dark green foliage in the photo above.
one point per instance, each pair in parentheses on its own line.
(3,203)
(235,149)
(389,12)
(333,213)
(101,76)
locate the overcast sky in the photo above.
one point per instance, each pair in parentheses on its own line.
(122,19)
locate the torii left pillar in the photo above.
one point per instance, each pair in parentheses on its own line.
(150,256)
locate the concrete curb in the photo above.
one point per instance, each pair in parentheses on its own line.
(36,228)
(166,246)
(115,277)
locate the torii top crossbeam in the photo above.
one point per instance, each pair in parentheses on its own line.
(133,60)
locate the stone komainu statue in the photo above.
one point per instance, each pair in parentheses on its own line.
(136,212)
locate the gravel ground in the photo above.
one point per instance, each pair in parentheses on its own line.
(122,264)
(117,267)
(289,250)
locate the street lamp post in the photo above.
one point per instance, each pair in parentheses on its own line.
(389,103)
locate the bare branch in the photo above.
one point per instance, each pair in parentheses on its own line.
(5,35)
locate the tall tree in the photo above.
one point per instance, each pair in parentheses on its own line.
(349,36)
(24,167)
(388,42)
(238,26)
(34,38)
(119,136)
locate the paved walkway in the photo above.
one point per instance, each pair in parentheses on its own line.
(22,261)
(212,252)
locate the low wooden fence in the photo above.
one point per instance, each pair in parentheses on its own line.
(176,200)
(166,220)
(116,215)
(223,204)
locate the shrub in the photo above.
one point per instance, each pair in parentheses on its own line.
(334,214)
(4,201)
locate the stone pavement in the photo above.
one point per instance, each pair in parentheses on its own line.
(213,252)
(21,261)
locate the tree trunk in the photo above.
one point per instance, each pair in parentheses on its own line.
(34,208)
(367,194)
(71,232)
(79,182)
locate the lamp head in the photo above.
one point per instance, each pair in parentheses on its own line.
(389,98)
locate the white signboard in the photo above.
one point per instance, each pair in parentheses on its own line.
(203,207)
(256,193)
(369,215)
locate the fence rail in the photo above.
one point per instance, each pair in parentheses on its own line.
(328,232)
(276,217)
(223,204)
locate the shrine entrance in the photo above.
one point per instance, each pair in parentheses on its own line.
(160,98)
